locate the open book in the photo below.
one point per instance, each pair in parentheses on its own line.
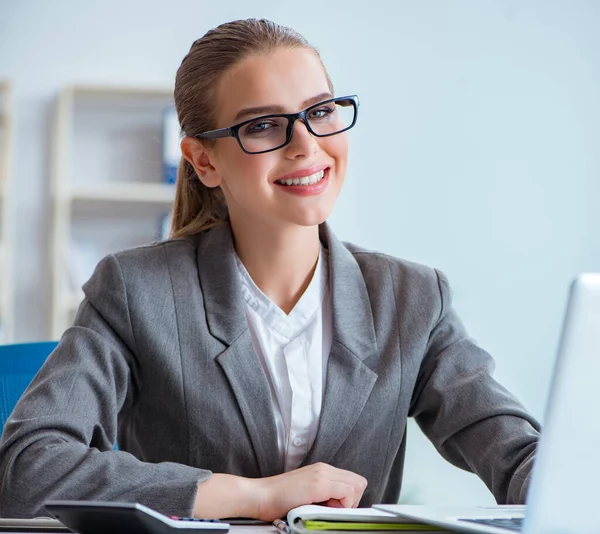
(311,518)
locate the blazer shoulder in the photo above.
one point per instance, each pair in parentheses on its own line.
(418,290)
(180,245)
(153,256)
(139,267)
(397,267)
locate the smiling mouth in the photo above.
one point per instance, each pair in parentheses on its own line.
(305,180)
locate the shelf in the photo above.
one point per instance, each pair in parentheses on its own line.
(107,162)
(125,192)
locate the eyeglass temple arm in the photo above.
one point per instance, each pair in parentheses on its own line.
(215,134)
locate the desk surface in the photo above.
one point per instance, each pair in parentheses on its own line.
(235,529)
(264,529)
(253,529)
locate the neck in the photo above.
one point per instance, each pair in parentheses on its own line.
(281,261)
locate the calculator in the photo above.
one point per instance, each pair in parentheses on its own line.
(99,517)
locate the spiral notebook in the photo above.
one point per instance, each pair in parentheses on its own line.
(314,518)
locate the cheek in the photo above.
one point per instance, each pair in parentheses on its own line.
(232,156)
(254,168)
(337,147)
(241,170)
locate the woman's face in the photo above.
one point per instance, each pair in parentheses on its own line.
(286,80)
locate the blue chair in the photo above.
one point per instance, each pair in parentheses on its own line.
(18,365)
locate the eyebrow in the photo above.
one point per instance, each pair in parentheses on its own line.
(266,110)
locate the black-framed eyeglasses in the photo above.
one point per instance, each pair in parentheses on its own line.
(271,132)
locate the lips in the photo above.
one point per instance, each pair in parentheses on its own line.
(302,173)
(320,183)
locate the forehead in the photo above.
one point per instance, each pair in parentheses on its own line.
(284,77)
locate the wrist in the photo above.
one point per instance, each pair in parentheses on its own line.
(225,495)
(255,502)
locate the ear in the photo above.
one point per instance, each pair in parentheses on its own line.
(195,152)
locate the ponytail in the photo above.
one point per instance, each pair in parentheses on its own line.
(196,207)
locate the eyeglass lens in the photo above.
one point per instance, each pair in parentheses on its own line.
(267,133)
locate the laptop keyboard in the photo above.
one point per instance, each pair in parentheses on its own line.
(509,523)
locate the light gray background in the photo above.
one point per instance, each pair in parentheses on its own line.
(476,150)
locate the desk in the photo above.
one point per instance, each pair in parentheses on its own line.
(235,529)
(266,529)
(253,529)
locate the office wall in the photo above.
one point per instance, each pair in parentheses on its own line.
(476,150)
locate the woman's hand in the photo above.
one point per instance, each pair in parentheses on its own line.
(272,497)
(317,483)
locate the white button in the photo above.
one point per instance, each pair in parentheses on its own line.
(297,442)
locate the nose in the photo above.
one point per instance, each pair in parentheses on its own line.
(303,143)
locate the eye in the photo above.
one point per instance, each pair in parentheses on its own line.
(260,127)
(322,112)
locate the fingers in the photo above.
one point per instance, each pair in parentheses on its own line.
(317,483)
(338,487)
(341,495)
(357,482)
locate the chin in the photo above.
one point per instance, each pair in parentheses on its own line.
(314,218)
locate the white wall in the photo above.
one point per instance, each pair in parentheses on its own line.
(476,149)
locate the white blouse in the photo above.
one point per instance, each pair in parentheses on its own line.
(293,350)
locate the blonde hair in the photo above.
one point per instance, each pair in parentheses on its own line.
(196,206)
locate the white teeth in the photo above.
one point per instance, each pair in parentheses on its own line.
(305,180)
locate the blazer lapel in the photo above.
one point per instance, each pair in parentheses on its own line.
(348,385)
(224,305)
(349,380)
(220,284)
(251,390)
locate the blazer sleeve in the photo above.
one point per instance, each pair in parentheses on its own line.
(473,421)
(58,442)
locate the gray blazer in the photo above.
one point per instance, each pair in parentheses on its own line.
(160,357)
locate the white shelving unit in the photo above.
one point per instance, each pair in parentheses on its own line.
(6,207)
(107,190)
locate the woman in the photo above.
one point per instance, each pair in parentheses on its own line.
(254,363)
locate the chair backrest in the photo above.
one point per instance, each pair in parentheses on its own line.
(18,365)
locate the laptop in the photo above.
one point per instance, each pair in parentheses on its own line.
(563,496)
